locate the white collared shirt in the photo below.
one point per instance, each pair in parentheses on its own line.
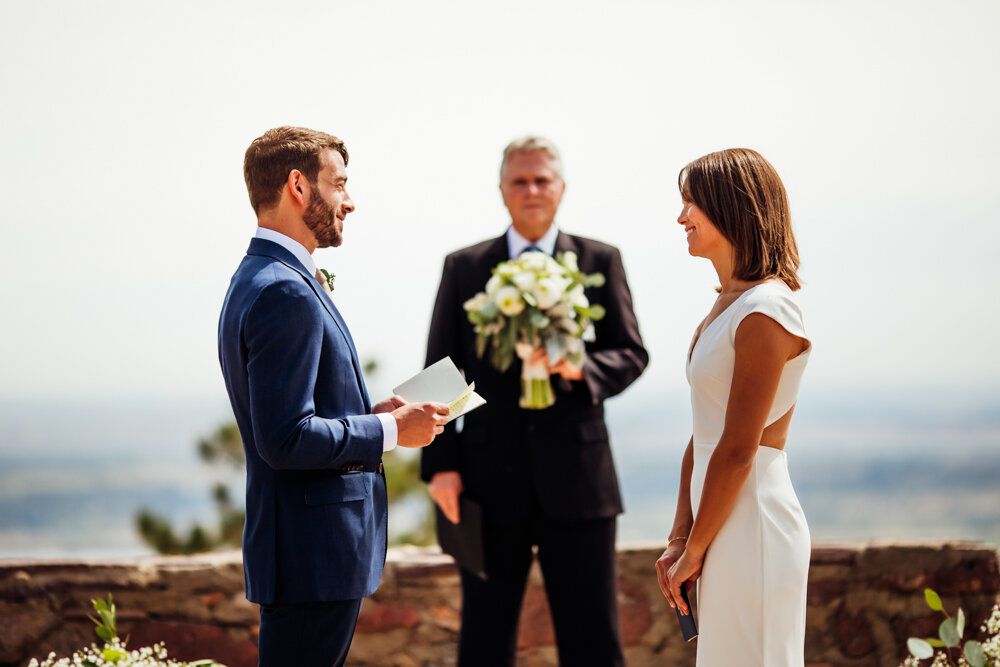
(390,434)
(517,243)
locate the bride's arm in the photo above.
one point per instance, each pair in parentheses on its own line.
(683,518)
(762,348)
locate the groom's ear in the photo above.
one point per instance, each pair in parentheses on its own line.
(298,187)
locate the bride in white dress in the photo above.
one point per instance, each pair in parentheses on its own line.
(739,530)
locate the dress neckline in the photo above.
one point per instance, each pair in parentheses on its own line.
(694,343)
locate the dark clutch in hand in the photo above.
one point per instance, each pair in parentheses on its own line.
(688,627)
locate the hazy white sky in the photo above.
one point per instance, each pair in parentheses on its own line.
(124,214)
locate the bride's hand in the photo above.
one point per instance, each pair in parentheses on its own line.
(687,568)
(670,556)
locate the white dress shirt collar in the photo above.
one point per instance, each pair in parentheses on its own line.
(291,245)
(517,243)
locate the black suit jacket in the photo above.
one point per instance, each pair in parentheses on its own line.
(560,455)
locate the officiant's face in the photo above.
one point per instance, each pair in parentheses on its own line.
(329,202)
(531,191)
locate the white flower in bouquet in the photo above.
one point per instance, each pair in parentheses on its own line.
(548,292)
(569,261)
(477,302)
(509,300)
(534,260)
(577,298)
(570,326)
(493,284)
(525,280)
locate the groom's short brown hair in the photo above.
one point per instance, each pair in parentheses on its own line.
(274,154)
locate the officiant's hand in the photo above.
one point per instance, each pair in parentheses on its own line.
(388,405)
(418,423)
(445,487)
(567,370)
(563,367)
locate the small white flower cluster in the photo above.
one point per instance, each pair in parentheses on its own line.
(114,654)
(991,647)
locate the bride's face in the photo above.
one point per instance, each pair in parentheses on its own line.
(703,237)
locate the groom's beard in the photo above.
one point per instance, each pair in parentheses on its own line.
(321,219)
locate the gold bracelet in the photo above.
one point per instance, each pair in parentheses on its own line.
(674,539)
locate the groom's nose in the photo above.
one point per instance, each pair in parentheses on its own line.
(347,205)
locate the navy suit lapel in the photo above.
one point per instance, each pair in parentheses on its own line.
(275,251)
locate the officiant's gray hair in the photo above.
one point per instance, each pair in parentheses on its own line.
(529,143)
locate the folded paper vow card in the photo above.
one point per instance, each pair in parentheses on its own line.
(441,382)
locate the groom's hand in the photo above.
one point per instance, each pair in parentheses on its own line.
(445,488)
(388,405)
(418,423)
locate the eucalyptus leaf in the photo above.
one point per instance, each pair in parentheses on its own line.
(919,648)
(960,622)
(949,632)
(937,643)
(489,309)
(933,600)
(974,653)
(555,348)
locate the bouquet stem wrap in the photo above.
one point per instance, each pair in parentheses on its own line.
(536,383)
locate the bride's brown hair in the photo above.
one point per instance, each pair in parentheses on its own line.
(744,197)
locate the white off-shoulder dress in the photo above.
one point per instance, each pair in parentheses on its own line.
(752,590)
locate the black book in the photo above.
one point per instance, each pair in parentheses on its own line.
(464,541)
(688,627)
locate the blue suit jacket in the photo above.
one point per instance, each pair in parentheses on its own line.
(316,505)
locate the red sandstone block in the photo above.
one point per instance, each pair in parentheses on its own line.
(379,617)
(834,555)
(445,617)
(635,612)
(823,592)
(854,631)
(186,641)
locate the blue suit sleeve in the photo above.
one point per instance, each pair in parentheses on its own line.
(283,332)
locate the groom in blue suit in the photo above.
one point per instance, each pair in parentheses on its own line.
(315,535)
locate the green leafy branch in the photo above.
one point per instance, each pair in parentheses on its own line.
(949,638)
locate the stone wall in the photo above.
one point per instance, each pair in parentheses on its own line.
(864,600)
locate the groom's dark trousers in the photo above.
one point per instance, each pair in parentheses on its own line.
(315,535)
(544,478)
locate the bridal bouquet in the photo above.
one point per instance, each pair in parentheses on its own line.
(535,303)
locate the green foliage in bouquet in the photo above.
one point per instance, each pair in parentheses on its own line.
(114,652)
(539,301)
(948,644)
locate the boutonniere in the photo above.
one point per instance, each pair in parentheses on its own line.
(329,278)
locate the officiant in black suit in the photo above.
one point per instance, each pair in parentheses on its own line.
(543,478)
